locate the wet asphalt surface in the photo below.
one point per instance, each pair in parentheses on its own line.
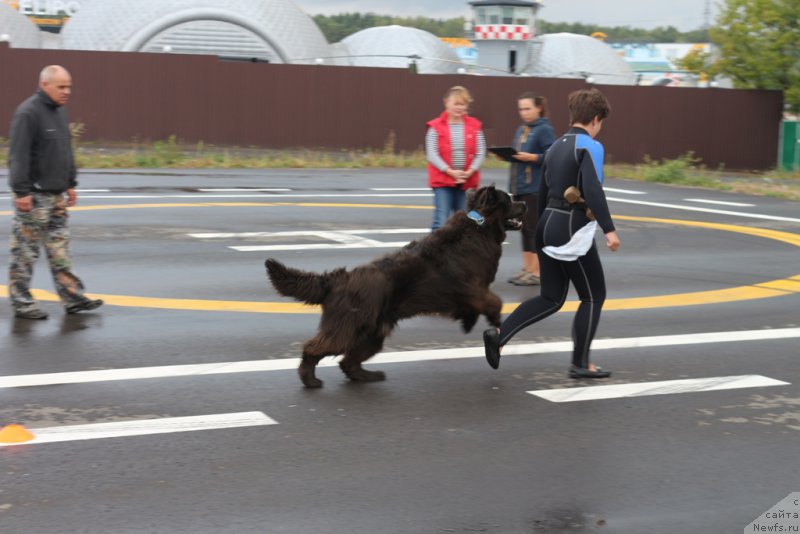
(441,446)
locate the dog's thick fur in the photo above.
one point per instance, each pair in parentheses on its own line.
(446,273)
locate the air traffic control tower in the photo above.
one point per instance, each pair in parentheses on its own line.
(502,32)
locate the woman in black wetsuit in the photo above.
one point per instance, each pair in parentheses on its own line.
(565,235)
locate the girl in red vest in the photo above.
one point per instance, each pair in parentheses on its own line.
(456,148)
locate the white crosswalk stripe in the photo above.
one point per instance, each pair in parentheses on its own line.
(144,427)
(719,202)
(169,371)
(339,239)
(664,387)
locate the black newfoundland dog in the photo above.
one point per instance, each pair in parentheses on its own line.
(446,273)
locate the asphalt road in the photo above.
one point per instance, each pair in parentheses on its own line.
(704,290)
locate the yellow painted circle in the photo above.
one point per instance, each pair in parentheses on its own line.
(772,288)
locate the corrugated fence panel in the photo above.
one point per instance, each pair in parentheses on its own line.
(146,97)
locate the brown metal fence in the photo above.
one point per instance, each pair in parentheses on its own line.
(123,96)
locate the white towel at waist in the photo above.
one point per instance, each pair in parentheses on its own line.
(578,245)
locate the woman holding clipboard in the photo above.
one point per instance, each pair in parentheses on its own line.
(531,140)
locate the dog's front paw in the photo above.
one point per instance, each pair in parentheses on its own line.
(468,322)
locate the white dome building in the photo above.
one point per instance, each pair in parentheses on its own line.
(568,55)
(398,47)
(17,29)
(278,31)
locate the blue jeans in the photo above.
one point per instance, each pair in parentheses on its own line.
(446,201)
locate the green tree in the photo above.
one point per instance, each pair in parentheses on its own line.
(759,43)
(698,62)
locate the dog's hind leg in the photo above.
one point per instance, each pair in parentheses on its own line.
(313,351)
(355,356)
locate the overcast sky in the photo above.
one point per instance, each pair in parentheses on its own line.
(683,14)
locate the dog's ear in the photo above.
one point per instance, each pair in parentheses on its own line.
(492,194)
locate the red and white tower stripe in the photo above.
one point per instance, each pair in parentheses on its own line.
(508,32)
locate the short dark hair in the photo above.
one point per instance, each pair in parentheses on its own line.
(586,104)
(538,101)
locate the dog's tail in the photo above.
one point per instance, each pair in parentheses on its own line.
(307,287)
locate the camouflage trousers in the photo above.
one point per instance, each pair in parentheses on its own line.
(45,224)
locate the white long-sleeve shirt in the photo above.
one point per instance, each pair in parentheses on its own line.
(459,152)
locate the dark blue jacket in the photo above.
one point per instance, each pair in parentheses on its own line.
(526,176)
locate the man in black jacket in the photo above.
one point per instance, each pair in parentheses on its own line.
(42,177)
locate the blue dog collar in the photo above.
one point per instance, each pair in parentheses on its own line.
(477,217)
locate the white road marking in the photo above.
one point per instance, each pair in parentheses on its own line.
(94,190)
(706,210)
(300,233)
(720,202)
(344,239)
(170,371)
(364,243)
(624,191)
(240,190)
(145,427)
(665,387)
(399,188)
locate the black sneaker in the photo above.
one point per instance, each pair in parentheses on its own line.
(84,305)
(582,372)
(491,343)
(31,313)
